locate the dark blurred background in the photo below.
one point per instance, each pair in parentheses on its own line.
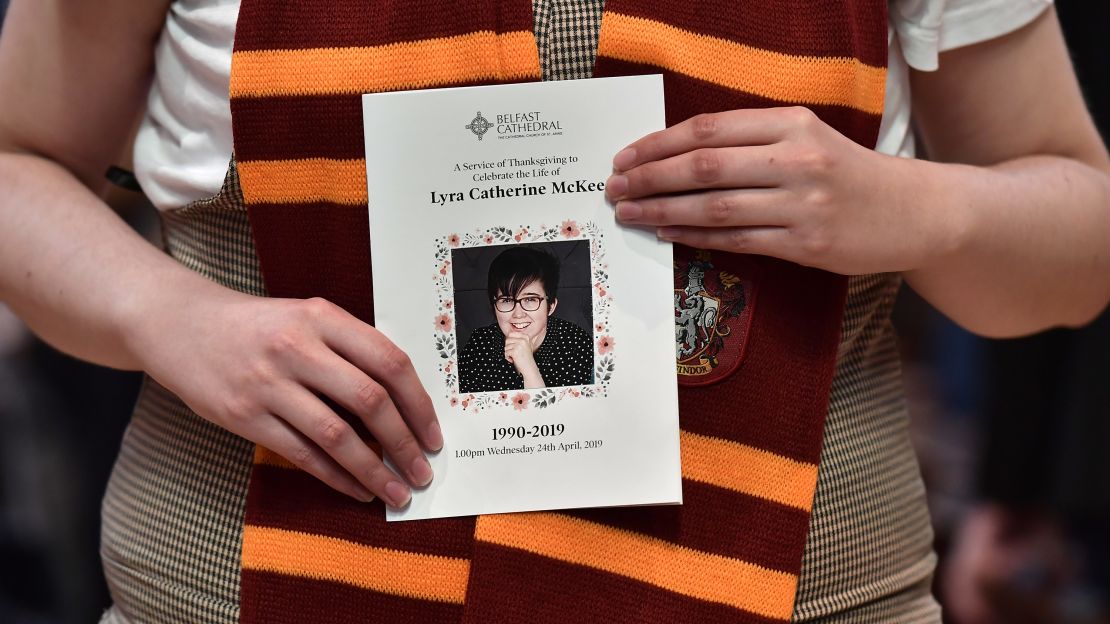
(1012,435)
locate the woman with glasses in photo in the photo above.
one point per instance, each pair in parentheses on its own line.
(527,347)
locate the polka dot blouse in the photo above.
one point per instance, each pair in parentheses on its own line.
(565,358)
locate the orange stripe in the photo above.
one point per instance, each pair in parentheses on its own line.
(749,470)
(842,81)
(266,457)
(697,574)
(304,181)
(477,56)
(426,577)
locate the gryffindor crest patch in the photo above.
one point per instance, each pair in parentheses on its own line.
(713,299)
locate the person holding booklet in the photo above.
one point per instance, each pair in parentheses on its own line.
(766,164)
(527,347)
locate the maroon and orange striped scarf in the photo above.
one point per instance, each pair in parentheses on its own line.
(751,442)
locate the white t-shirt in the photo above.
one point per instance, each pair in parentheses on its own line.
(184,144)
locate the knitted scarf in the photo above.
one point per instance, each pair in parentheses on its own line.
(752,401)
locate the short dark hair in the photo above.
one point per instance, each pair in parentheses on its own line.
(516,267)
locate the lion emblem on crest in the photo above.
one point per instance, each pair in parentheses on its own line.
(710,309)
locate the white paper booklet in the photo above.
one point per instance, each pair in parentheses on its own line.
(542,330)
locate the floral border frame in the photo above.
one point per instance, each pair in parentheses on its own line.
(444,335)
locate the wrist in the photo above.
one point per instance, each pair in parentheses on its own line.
(151,321)
(533,379)
(937,193)
(530,372)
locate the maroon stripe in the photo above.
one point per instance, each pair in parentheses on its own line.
(269,598)
(316,250)
(718,521)
(350,23)
(508,585)
(686,97)
(287,128)
(282,128)
(854,28)
(296,501)
(317,126)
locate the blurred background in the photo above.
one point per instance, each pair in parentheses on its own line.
(1013,438)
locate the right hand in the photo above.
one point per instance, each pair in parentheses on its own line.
(518,351)
(257,367)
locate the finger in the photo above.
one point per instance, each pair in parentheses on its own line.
(378,357)
(765,241)
(731,208)
(311,417)
(371,403)
(725,129)
(281,438)
(705,168)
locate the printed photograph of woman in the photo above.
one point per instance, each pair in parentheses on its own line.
(527,345)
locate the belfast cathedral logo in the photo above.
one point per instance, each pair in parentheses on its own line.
(712,314)
(479,125)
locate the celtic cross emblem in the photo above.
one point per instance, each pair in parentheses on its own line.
(479,125)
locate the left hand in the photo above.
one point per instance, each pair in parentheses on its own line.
(780,182)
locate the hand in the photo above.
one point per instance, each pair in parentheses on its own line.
(1006,566)
(518,351)
(779,182)
(258,367)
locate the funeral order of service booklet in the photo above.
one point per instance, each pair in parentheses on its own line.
(543,331)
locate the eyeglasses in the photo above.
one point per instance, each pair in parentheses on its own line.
(530,303)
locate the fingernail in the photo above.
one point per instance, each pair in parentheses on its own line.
(421,471)
(667,234)
(435,437)
(616,186)
(624,158)
(397,494)
(363,494)
(628,211)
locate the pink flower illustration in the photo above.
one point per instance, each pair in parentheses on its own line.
(448,365)
(520,401)
(521,234)
(569,229)
(504,397)
(575,393)
(443,269)
(600,291)
(454,401)
(600,327)
(448,304)
(465,403)
(453,240)
(443,323)
(488,238)
(605,344)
